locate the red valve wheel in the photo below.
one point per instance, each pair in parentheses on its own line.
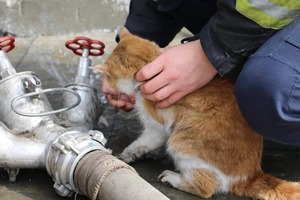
(7,43)
(96,48)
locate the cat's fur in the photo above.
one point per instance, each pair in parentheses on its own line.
(213,148)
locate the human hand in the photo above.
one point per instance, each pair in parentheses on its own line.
(116,99)
(178,71)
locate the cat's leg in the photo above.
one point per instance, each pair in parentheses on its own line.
(199,182)
(151,139)
(194,175)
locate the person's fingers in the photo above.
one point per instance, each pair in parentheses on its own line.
(123,97)
(112,101)
(127,107)
(160,94)
(124,105)
(123,102)
(161,80)
(132,99)
(154,84)
(149,71)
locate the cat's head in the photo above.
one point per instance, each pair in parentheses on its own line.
(130,55)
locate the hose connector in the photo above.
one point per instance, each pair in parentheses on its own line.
(64,154)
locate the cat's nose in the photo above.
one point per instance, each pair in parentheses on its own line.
(117,38)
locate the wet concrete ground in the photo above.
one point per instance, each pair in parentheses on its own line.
(56,67)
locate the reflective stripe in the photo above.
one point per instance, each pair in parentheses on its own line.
(269,14)
(274,10)
(291,4)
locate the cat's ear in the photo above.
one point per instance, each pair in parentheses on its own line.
(122,31)
(101,68)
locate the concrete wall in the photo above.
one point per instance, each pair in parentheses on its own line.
(51,17)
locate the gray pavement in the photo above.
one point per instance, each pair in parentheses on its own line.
(56,67)
(34,17)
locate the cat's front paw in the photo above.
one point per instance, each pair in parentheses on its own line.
(170,178)
(125,157)
(132,153)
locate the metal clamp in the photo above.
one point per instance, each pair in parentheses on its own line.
(64,154)
(15,100)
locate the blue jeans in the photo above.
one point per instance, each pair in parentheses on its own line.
(268,88)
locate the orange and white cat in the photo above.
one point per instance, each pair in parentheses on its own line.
(213,148)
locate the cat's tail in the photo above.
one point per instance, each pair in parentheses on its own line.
(267,187)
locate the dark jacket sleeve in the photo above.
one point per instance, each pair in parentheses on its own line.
(229,38)
(145,20)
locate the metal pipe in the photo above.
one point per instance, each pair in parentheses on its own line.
(6,69)
(83,71)
(20,152)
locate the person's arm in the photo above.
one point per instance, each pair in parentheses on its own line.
(145,20)
(225,43)
(230,38)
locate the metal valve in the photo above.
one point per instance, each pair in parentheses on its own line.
(85,47)
(89,110)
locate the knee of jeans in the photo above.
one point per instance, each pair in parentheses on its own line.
(265,110)
(249,104)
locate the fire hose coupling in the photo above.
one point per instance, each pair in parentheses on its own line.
(64,154)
